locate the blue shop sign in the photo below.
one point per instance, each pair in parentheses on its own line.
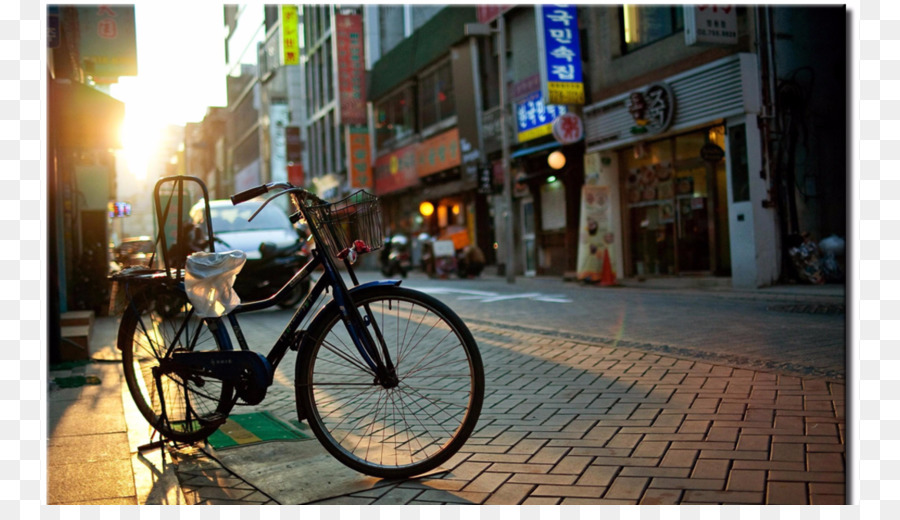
(535,119)
(558,28)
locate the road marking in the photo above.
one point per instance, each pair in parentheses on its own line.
(490,297)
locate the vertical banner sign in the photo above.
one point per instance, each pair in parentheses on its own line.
(290,36)
(710,24)
(360,163)
(560,54)
(595,235)
(108,48)
(535,119)
(279,113)
(351,68)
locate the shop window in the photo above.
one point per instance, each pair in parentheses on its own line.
(436,96)
(394,117)
(644,24)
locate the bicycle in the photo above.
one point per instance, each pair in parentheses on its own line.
(389,379)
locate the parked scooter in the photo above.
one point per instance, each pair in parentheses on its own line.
(395,257)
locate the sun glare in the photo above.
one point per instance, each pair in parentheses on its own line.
(138,142)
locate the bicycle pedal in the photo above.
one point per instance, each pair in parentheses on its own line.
(213,419)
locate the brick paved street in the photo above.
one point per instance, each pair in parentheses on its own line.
(571,422)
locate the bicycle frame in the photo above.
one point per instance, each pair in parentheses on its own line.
(350,315)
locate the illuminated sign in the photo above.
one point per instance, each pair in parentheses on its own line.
(560,58)
(119,209)
(535,119)
(290,36)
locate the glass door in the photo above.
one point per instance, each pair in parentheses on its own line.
(692,218)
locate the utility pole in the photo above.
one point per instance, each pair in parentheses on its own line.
(504,143)
(478,29)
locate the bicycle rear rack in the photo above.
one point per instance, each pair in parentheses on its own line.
(182,221)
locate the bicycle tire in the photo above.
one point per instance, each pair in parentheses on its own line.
(157,316)
(348,422)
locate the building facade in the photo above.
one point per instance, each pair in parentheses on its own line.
(695,144)
(83,124)
(265,96)
(425,107)
(710,145)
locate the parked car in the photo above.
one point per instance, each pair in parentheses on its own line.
(274,247)
(134,251)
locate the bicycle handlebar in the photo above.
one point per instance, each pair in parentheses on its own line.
(301,193)
(246,195)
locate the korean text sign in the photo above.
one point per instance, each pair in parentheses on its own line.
(561,58)
(710,24)
(535,119)
(290,35)
(107,44)
(360,164)
(351,68)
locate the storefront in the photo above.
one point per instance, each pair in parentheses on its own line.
(425,192)
(676,220)
(546,197)
(676,155)
(445,189)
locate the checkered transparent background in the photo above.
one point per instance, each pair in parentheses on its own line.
(878,259)
(875,328)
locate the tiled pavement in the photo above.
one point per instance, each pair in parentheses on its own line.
(568,422)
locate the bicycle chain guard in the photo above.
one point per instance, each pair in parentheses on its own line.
(250,373)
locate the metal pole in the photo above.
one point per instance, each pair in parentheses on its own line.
(504,143)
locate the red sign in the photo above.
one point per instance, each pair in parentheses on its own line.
(568,129)
(396,170)
(438,153)
(489,13)
(360,165)
(351,68)
(295,174)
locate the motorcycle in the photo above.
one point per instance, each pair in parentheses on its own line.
(395,257)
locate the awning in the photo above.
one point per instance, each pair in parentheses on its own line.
(83,117)
(533,149)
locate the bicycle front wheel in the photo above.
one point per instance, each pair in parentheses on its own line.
(400,430)
(183,407)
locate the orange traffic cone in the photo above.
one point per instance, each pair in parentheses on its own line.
(607,276)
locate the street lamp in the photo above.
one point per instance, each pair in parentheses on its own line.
(481,29)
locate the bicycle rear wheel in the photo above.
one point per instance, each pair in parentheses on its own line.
(407,429)
(159,321)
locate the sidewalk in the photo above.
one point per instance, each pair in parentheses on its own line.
(565,422)
(94,431)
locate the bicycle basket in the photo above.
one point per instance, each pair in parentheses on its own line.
(348,222)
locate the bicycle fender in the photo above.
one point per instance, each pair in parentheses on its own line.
(395,283)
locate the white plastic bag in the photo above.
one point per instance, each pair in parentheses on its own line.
(209,282)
